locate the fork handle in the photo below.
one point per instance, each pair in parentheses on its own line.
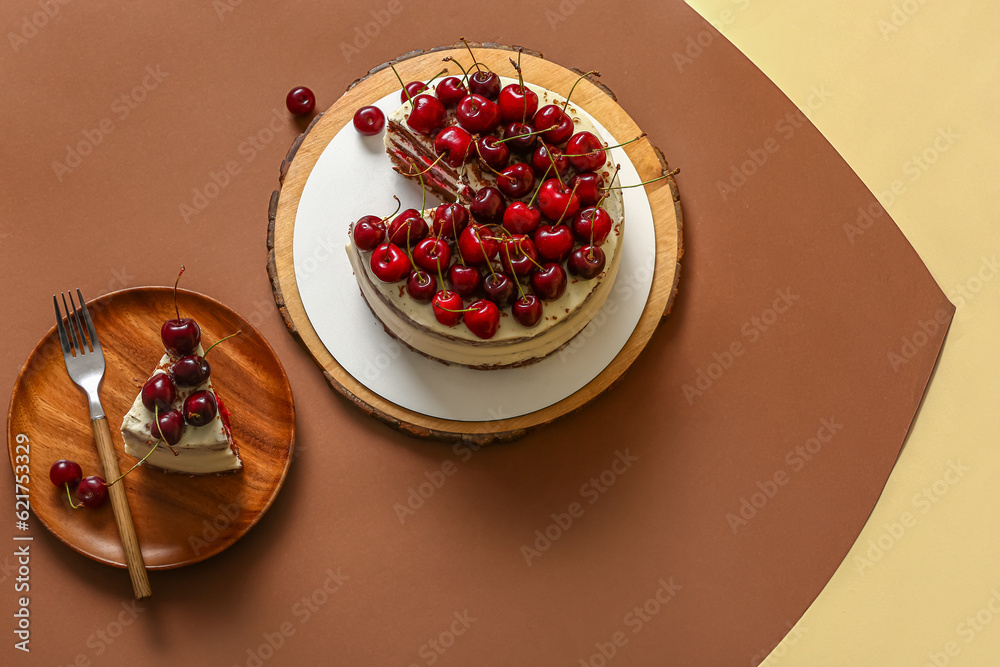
(119,503)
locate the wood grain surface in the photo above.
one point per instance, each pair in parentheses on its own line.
(599,102)
(179,519)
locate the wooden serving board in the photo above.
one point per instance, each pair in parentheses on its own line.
(599,102)
(179,519)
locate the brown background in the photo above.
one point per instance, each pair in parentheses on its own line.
(115,220)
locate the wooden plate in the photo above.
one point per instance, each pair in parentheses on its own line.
(179,519)
(304,153)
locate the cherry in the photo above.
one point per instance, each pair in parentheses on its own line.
(369,120)
(477,245)
(407,228)
(588,187)
(521,218)
(300,101)
(516,181)
(549,282)
(450,220)
(586,151)
(200,408)
(451,90)
(527,310)
(488,206)
(483,318)
(432,254)
(64,471)
(389,263)
(159,390)
(190,371)
(499,289)
(421,286)
(519,255)
(556,123)
(556,201)
(494,154)
(464,280)
(544,156)
(520,137)
(477,114)
(485,84)
(586,261)
(453,142)
(554,242)
(169,426)
(447,307)
(411,90)
(427,116)
(592,225)
(180,336)
(369,232)
(514,99)
(92,492)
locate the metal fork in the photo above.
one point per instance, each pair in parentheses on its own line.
(85,365)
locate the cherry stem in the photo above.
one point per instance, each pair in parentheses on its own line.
(429,82)
(156,417)
(652,180)
(533,261)
(451,310)
(605,148)
(568,200)
(520,82)
(465,73)
(479,153)
(489,264)
(607,191)
(405,91)
(423,189)
(526,134)
(409,253)
(479,66)
(219,341)
(71,503)
(399,205)
(541,181)
(179,274)
(555,169)
(424,171)
(581,78)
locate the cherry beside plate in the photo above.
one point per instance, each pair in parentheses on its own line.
(179,519)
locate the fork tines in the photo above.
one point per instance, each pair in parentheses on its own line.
(75,343)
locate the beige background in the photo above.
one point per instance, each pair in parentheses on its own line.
(895,74)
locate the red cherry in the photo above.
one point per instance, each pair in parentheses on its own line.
(488,206)
(190,371)
(516,181)
(542,164)
(483,318)
(464,280)
(369,232)
(499,289)
(180,336)
(445,304)
(92,492)
(454,143)
(407,228)
(518,255)
(369,120)
(520,135)
(451,90)
(432,254)
(556,201)
(159,390)
(557,124)
(520,218)
(513,100)
(485,84)
(477,114)
(477,245)
(549,282)
(300,101)
(450,220)
(586,152)
(427,116)
(588,188)
(592,225)
(554,242)
(64,471)
(389,263)
(494,154)
(527,310)
(412,89)
(421,286)
(200,408)
(586,261)
(169,426)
